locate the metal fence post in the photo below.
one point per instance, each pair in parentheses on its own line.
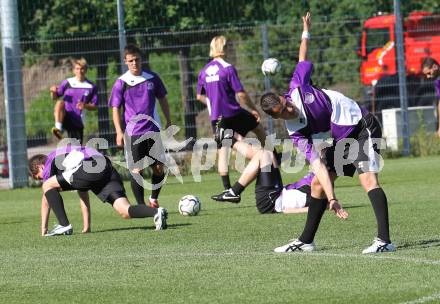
(402,78)
(267,86)
(14,105)
(121,34)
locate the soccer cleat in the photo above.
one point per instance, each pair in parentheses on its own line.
(227,196)
(160,219)
(60,230)
(379,246)
(295,245)
(57,133)
(154,203)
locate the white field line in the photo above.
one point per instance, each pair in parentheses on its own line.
(380,256)
(424,299)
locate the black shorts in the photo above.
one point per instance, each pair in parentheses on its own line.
(267,189)
(106,183)
(344,158)
(73,131)
(147,152)
(241,123)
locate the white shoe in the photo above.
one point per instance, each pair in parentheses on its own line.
(160,218)
(379,246)
(295,245)
(60,230)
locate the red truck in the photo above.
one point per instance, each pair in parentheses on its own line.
(421,36)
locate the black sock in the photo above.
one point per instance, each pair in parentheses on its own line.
(140,211)
(380,206)
(138,190)
(57,205)
(155,180)
(237,188)
(316,211)
(226,181)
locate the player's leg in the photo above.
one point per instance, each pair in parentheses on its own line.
(133,154)
(156,182)
(367,164)
(51,188)
(84,201)
(59,113)
(127,211)
(232,194)
(261,134)
(379,202)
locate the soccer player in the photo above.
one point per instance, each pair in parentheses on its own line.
(83,169)
(136,91)
(78,94)
(308,110)
(431,69)
(217,88)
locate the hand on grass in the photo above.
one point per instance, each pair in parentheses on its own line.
(338,210)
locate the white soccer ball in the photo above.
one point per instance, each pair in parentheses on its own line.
(270,66)
(189,205)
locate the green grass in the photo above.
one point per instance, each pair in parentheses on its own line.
(224,255)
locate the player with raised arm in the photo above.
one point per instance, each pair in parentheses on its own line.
(308,110)
(78,93)
(83,169)
(136,92)
(218,87)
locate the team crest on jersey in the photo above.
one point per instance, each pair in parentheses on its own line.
(309,98)
(211,73)
(150,86)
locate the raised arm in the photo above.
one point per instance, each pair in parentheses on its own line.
(304,37)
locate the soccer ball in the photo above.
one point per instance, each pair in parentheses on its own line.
(270,66)
(189,205)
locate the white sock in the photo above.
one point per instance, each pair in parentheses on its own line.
(59,126)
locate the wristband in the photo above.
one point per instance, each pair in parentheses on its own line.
(332,199)
(305,35)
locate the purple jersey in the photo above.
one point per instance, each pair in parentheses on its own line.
(48,166)
(137,94)
(74,91)
(305,181)
(320,110)
(437,87)
(219,81)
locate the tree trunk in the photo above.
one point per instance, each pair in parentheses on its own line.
(186,88)
(103,110)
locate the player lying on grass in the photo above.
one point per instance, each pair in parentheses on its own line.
(83,169)
(270,194)
(308,110)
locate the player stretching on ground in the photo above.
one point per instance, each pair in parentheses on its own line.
(217,87)
(309,110)
(78,94)
(136,91)
(83,169)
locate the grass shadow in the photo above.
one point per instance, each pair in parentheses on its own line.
(420,244)
(170,226)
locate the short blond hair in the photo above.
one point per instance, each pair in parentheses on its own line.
(217,47)
(79,61)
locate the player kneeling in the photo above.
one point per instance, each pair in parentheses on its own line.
(81,168)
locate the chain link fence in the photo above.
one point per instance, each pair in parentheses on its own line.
(178,57)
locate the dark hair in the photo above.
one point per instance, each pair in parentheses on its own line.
(132,49)
(268,101)
(34,162)
(428,62)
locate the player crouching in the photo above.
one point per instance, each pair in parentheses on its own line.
(82,168)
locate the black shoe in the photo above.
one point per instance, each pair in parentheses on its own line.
(227,196)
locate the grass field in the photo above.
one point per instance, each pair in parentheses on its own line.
(224,255)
